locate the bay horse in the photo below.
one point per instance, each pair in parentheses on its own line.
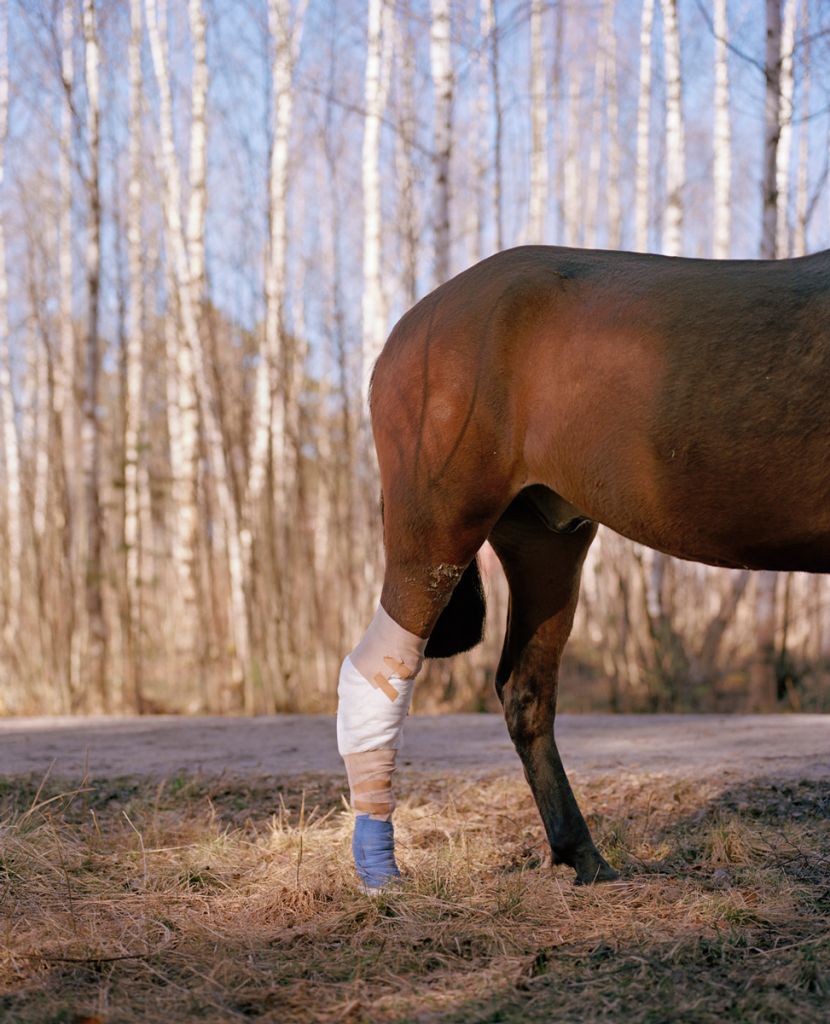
(683,403)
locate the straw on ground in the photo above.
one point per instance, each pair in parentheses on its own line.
(129,900)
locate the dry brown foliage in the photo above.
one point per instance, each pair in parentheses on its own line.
(227,900)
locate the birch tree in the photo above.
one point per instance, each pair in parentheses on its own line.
(286,32)
(675,133)
(643,173)
(178,250)
(40,434)
(490,41)
(11,442)
(194,283)
(722,165)
(538,204)
(64,394)
(772,129)
(783,156)
(405,163)
(134,362)
(613,117)
(64,400)
(574,222)
(557,99)
(440,54)
(182,402)
(604,115)
(592,183)
(802,203)
(198,152)
(96,646)
(374,313)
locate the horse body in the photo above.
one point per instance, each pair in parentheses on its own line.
(683,403)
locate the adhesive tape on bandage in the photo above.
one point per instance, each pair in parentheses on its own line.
(387,650)
(366,718)
(375,686)
(370,781)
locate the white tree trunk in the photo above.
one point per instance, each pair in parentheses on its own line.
(772,130)
(784,154)
(64,394)
(592,186)
(643,174)
(490,41)
(40,436)
(177,247)
(802,210)
(573,227)
(11,440)
(179,366)
(675,133)
(198,152)
(405,163)
(96,646)
(182,402)
(538,204)
(440,55)
(559,125)
(286,31)
(134,361)
(722,172)
(374,313)
(762,676)
(270,441)
(195,282)
(614,147)
(479,144)
(289,493)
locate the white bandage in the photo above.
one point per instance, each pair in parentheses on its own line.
(375,686)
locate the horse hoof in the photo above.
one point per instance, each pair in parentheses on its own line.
(602,872)
(591,867)
(389,886)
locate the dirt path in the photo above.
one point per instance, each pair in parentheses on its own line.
(735,746)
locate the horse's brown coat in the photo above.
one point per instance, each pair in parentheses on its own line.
(683,403)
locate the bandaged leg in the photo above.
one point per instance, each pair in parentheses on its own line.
(375,691)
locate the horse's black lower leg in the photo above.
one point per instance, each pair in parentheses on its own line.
(543,569)
(532,732)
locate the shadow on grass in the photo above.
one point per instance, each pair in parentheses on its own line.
(222,900)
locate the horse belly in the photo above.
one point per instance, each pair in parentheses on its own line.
(684,479)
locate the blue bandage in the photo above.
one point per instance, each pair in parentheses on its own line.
(373,848)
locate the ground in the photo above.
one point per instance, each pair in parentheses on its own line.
(721,746)
(198,870)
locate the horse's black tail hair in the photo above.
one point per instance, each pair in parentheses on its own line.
(461,624)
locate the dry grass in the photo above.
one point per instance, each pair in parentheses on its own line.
(192,900)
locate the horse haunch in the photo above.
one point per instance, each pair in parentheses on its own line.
(683,403)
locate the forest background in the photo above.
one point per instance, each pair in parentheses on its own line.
(212,213)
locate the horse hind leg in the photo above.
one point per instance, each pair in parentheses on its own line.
(543,569)
(426,562)
(449,467)
(374,693)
